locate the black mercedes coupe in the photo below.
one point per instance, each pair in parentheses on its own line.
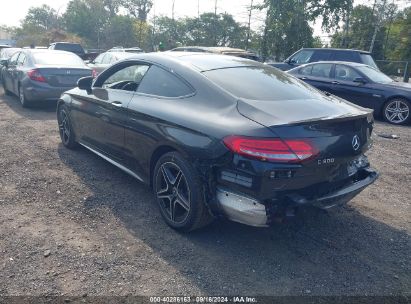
(215,135)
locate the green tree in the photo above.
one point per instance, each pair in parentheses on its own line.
(87,19)
(42,17)
(138,8)
(287,25)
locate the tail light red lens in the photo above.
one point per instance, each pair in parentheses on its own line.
(94,73)
(273,149)
(36,76)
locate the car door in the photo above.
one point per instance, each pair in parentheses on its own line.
(147,123)
(345,86)
(318,75)
(102,114)
(10,73)
(20,69)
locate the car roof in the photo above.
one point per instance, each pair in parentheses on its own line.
(213,49)
(354,64)
(120,54)
(64,42)
(34,51)
(337,49)
(197,61)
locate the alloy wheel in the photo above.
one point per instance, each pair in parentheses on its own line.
(173,193)
(64,126)
(397,111)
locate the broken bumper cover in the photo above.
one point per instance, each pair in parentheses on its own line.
(250,211)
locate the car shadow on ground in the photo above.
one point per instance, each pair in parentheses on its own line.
(40,110)
(342,252)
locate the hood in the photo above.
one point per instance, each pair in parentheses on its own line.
(299,111)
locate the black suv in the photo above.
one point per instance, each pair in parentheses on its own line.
(75,48)
(308,55)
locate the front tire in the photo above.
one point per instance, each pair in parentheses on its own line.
(397,111)
(180,193)
(65,128)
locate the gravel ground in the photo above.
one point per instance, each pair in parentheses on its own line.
(72,224)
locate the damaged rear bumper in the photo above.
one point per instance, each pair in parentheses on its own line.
(250,211)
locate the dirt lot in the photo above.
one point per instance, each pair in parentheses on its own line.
(72,224)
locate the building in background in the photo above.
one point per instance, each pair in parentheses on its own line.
(6,38)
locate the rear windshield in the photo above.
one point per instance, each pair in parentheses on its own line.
(368,60)
(7,53)
(75,48)
(261,83)
(49,58)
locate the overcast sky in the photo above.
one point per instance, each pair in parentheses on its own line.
(12,11)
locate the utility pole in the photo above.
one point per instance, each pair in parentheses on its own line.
(198,9)
(215,23)
(377,25)
(172,9)
(249,25)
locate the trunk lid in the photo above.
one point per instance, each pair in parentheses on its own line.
(62,76)
(339,130)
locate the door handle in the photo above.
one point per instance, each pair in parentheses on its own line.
(117,103)
(303,78)
(335,82)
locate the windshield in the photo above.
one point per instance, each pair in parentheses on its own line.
(63,58)
(374,75)
(261,83)
(368,60)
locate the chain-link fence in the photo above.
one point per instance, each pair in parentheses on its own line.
(398,70)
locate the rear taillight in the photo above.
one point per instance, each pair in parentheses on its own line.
(36,76)
(274,149)
(94,73)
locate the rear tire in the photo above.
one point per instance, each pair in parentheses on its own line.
(180,193)
(67,135)
(23,100)
(397,111)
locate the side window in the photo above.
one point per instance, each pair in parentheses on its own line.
(106,59)
(159,82)
(345,73)
(21,60)
(306,70)
(130,76)
(322,70)
(321,55)
(345,56)
(302,57)
(13,59)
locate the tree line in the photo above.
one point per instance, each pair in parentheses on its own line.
(288,26)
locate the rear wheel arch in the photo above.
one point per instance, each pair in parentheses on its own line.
(156,155)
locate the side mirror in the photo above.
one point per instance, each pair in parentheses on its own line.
(360,80)
(85,83)
(4,62)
